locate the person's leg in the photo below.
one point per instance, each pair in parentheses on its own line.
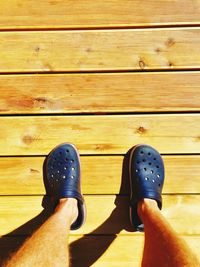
(163,247)
(49,244)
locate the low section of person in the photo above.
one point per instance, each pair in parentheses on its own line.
(163,247)
(48,246)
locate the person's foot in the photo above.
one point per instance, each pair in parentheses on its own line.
(63,182)
(146,172)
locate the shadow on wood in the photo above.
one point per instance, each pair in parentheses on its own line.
(89,252)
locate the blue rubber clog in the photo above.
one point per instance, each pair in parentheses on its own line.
(146,172)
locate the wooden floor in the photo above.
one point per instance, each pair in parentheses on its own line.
(104,75)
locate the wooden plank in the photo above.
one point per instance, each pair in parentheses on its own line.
(33,135)
(112,13)
(102,251)
(25,175)
(111,92)
(105,214)
(102,50)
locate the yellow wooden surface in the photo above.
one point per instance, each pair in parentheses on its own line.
(151,51)
(106,214)
(100,92)
(25,175)
(100,50)
(112,13)
(114,134)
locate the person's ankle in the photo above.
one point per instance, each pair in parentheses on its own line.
(69,206)
(145,205)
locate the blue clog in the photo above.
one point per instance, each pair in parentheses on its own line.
(64,178)
(146,172)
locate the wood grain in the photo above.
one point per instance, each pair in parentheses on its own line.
(102,251)
(97,37)
(25,175)
(83,93)
(113,13)
(114,134)
(105,214)
(102,50)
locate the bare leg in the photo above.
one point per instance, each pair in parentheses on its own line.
(163,247)
(49,244)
